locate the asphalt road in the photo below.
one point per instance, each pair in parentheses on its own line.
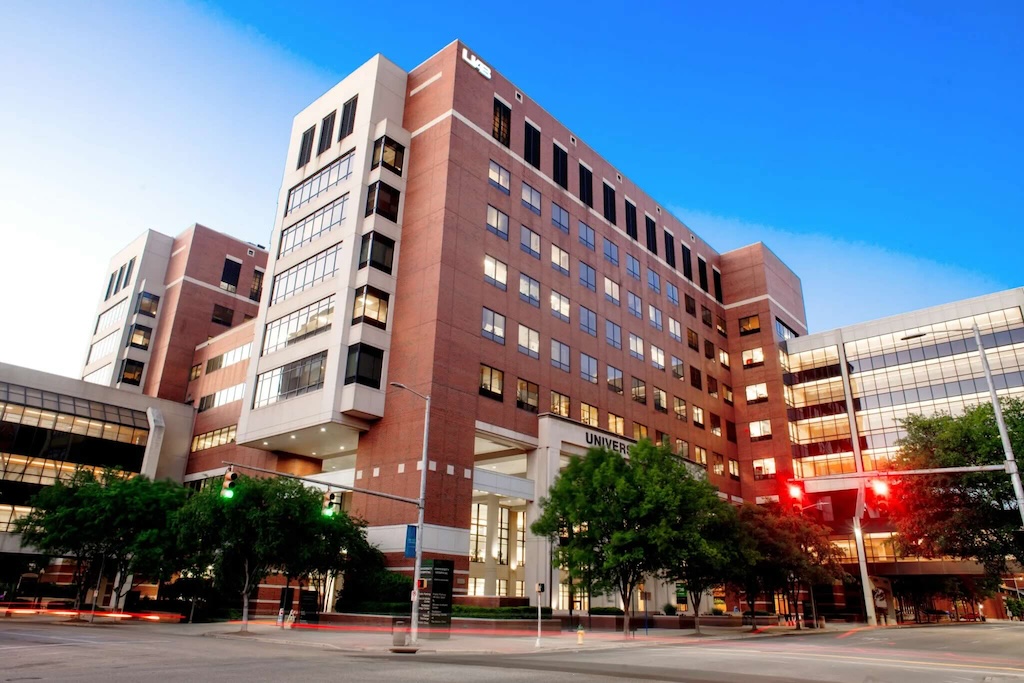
(990,653)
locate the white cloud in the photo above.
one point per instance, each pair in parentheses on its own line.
(846,281)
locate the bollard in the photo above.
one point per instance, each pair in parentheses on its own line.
(579,635)
(280,618)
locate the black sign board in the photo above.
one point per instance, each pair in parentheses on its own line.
(435,601)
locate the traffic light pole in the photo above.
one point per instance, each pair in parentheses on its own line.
(379,494)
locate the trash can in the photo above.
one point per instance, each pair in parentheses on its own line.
(400,631)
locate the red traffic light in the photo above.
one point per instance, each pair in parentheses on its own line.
(880,487)
(796,492)
(421,584)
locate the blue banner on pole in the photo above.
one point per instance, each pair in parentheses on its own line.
(410,540)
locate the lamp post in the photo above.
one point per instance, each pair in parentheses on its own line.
(414,627)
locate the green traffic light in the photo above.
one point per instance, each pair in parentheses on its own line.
(328,512)
(227,493)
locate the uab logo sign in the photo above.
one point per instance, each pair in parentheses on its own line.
(472,60)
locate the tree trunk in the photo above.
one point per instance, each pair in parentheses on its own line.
(696,608)
(814,607)
(751,601)
(245,599)
(626,604)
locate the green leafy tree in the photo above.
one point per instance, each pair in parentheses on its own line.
(969,516)
(615,520)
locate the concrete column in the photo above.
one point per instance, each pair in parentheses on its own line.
(542,468)
(491,545)
(514,523)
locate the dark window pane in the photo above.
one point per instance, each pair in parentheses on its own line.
(222,315)
(586,186)
(652,235)
(229,276)
(378,251)
(388,153)
(609,203)
(306,147)
(326,133)
(531,145)
(502,124)
(348,118)
(560,165)
(687,264)
(631,220)
(364,366)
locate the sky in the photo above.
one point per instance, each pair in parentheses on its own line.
(874,146)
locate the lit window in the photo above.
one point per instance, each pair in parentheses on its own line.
(492,382)
(559,306)
(588,415)
(638,391)
(559,404)
(611,291)
(697,414)
(527,394)
(750,325)
(734,467)
(636,346)
(679,408)
(716,425)
(700,455)
(498,176)
(654,316)
(529,341)
(753,357)
(131,372)
(723,358)
(560,259)
(657,357)
(756,393)
(760,430)
(493,326)
(639,431)
(370,307)
(495,272)
(139,337)
(529,290)
(764,468)
(389,154)
(616,424)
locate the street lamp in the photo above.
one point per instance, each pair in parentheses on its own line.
(419,519)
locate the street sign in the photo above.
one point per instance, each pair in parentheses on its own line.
(410,540)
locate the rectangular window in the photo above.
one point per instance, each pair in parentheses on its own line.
(611,252)
(657,357)
(306,147)
(304,323)
(587,238)
(492,382)
(723,358)
(140,336)
(529,290)
(527,395)
(147,305)
(616,425)
(614,380)
(365,365)
(720,326)
(705,315)
(760,430)
(531,198)
(675,330)
(635,305)
(128,273)
(221,398)
(560,306)
(672,292)
(639,431)
(588,415)
(679,408)
(586,186)
(764,468)
(389,154)
(222,315)
(560,218)
(110,286)
(709,350)
(716,425)
(687,264)
(229,275)
(712,387)
(752,358)
(697,414)
(670,249)
(691,305)
(531,145)
(609,203)
(638,391)
(588,277)
(682,449)
(348,118)
(632,267)
(131,372)
(529,241)
(196,372)
(529,341)
(727,394)
(692,340)
(734,469)
(559,259)
(377,251)
(501,127)
(560,355)
(636,346)
(702,273)
(256,286)
(631,220)
(695,378)
(382,199)
(498,176)
(495,273)
(784,331)
(677,368)
(326,133)
(730,428)
(306,274)
(104,347)
(588,368)
(218,437)
(370,307)
(660,400)
(294,379)
(652,235)
(588,321)
(717,277)
(757,393)
(613,334)
(497,222)
(320,182)
(611,291)
(750,324)
(493,326)
(559,404)
(653,281)
(654,316)
(700,455)
(560,166)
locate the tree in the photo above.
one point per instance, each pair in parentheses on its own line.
(615,520)
(969,516)
(269,523)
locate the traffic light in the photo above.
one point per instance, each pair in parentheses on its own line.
(796,497)
(421,584)
(879,496)
(540,587)
(332,501)
(228,485)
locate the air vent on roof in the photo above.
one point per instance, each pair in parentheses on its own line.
(519,96)
(572,139)
(618,177)
(251,252)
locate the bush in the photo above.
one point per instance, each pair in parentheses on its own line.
(390,608)
(669,609)
(759,613)
(595,611)
(718,611)
(523,612)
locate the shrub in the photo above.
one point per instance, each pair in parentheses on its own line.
(390,608)
(595,611)
(718,611)
(520,612)
(669,609)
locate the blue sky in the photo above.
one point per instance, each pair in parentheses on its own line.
(874,146)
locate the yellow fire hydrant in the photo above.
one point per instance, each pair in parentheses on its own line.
(579,635)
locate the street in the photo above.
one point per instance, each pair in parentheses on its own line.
(38,651)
